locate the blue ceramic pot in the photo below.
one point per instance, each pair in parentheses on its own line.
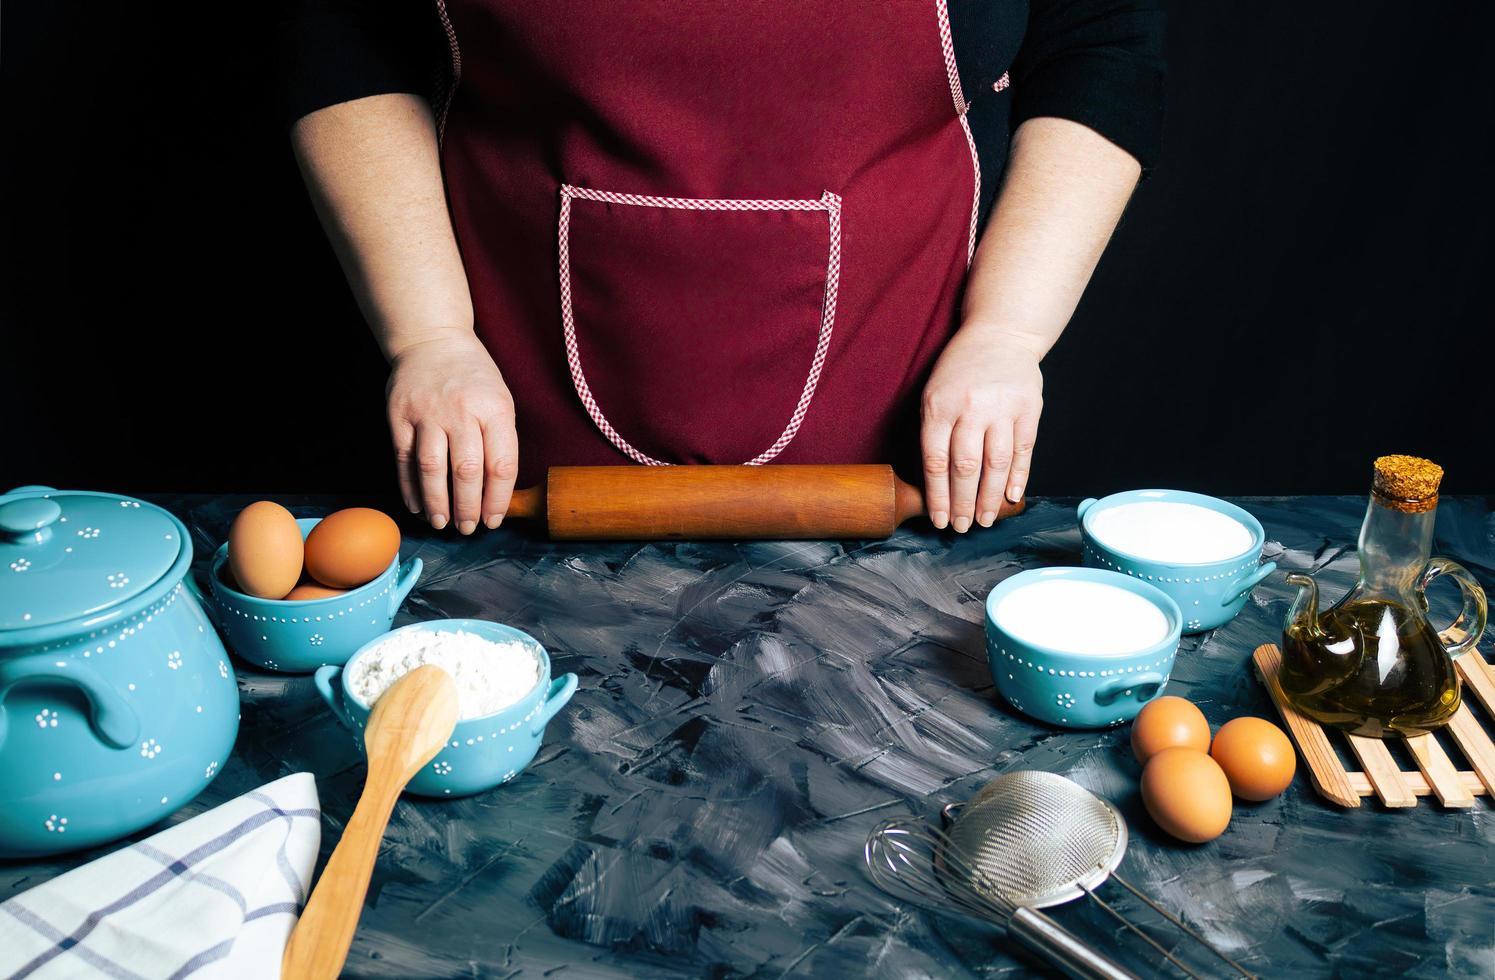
(1208,593)
(117,701)
(298,637)
(1079,690)
(483,752)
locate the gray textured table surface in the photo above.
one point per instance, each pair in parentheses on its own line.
(747,712)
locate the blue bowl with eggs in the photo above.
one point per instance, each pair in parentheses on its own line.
(1209,593)
(299,635)
(482,752)
(1058,647)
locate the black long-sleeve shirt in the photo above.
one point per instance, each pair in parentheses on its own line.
(1096,62)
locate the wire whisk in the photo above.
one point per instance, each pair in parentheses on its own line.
(1026,841)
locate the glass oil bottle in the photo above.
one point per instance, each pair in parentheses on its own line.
(1372,664)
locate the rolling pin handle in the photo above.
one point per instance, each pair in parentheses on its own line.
(528,503)
(908,501)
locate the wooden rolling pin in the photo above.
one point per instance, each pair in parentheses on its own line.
(656,502)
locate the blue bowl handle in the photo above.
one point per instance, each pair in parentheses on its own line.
(561,690)
(326,680)
(114,722)
(1085,505)
(1111,689)
(409,575)
(1245,585)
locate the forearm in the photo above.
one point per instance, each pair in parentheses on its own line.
(1065,189)
(374,175)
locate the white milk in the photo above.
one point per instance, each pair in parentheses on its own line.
(489,676)
(1081,617)
(1166,531)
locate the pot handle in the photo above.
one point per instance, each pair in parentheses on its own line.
(113,721)
(1111,689)
(409,574)
(561,690)
(1085,505)
(1465,630)
(326,680)
(1245,585)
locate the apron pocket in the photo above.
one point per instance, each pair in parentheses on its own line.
(697,328)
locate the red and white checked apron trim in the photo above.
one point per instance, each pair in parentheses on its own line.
(455,68)
(947,45)
(828,202)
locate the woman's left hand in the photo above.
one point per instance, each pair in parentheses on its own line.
(980,421)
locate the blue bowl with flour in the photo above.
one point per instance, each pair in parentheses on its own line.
(483,752)
(1211,589)
(1080,647)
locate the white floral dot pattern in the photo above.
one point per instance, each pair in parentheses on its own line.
(315,639)
(441,768)
(129,503)
(56,824)
(208,772)
(20,564)
(89,532)
(118,580)
(174,660)
(223,670)
(1064,699)
(150,748)
(46,718)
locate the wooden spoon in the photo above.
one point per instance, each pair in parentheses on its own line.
(407,728)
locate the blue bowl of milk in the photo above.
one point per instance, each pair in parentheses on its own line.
(1204,552)
(1080,647)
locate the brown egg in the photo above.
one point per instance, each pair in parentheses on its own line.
(264,550)
(311,590)
(1256,756)
(351,547)
(1187,794)
(1166,723)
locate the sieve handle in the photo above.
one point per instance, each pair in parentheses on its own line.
(1062,948)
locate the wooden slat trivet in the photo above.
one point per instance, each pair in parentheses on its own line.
(1385,775)
(1479,675)
(1439,770)
(1381,776)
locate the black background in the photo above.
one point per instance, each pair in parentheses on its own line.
(1301,286)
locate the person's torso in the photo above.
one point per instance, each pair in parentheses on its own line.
(717,232)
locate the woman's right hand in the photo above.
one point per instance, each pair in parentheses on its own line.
(452,419)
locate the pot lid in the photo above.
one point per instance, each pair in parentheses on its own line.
(66,554)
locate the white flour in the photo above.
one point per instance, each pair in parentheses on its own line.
(1081,618)
(1170,532)
(489,676)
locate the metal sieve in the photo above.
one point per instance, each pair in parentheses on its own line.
(1038,838)
(1026,841)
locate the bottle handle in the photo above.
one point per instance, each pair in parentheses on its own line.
(1465,630)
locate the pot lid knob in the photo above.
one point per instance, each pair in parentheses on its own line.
(29,520)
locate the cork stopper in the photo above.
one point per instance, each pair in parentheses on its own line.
(1408,483)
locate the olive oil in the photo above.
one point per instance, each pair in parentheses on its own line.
(1374,669)
(1373,664)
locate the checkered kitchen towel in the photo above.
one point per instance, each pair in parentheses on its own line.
(214,896)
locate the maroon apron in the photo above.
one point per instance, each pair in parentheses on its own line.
(714,232)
